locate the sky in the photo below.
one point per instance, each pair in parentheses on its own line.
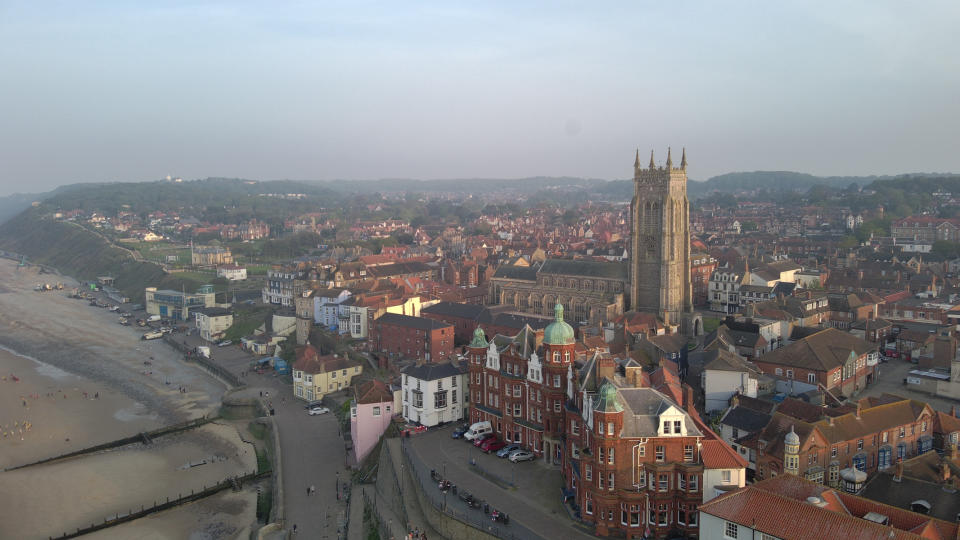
(135,91)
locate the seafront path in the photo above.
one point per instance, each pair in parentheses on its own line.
(312,452)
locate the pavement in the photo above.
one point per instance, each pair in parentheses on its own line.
(535,501)
(890,381)
(311,447)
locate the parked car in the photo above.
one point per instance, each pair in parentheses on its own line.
(492,445)
(412,430)
(522,455)
(507,450)
(224,343)
(313,404)
(482,437)
(458,433)
(317,410)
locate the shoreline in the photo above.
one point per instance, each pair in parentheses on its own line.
(71,378)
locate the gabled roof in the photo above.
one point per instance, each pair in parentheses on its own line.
(420,323)
(372,391)
(744,419)
(429,371)
(566,267)
(724,360)
(717,454)
(778,506)
(822,351)
(454,309)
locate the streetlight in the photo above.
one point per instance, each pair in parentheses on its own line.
(445,490)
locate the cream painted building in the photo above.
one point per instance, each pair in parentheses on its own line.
(315,376)
(212,322)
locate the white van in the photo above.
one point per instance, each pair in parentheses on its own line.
(479,429)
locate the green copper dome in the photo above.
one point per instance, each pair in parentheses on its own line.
(558,332)
(607,401)
(479,339)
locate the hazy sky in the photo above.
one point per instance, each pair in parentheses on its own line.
(121,91)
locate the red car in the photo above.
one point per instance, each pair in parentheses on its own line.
(492,445)
(482,438)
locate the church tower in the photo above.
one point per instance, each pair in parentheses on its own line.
(660,243)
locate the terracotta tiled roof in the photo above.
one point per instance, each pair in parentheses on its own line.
(822,351)
(778,506)
(309,361)
(372,391)
(717,454)
(946,423)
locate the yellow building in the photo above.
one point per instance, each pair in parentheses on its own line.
(315,376)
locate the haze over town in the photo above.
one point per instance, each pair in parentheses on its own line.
(118,91)
(453,261)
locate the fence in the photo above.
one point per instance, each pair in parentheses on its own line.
(451,505)
(232,482)
(206,363)
(144,437)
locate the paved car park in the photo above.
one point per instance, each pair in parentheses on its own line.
(530,492)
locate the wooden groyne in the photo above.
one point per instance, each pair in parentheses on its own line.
(142,437)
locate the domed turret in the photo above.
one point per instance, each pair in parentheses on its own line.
(607,401)
(479,339)
(791,439)
(791,452)
(558,332)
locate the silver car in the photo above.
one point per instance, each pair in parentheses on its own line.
(522,455)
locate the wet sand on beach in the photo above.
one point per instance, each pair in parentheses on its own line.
(81,349)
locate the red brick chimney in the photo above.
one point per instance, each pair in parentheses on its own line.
(606,367)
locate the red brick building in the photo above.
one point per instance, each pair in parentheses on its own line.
(873,437)
(632,459)
(702,266)
(838,361)
(412,337)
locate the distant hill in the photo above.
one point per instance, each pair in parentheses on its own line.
(12,205)
(788,181)
(771,180)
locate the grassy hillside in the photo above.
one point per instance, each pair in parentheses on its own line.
(84,255)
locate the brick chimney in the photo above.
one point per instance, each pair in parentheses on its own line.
(944,471)
(859,410)
(606,367)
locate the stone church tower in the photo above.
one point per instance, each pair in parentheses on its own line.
(660,243)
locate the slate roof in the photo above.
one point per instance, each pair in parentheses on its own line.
(429,371)
(454,309)
(566,267)
(944,504)
(522,273)
(420,323)
(745,419)
(724,360)
(643,408)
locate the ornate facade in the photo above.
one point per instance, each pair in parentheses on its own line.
(660,242)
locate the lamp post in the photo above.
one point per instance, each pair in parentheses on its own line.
(445,490)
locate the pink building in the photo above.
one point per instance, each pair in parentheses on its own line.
(372,410)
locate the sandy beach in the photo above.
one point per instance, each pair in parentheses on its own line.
(71,377)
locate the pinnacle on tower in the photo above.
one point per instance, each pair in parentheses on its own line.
(669,159)
(683,159)
(652,165)
(636,162)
